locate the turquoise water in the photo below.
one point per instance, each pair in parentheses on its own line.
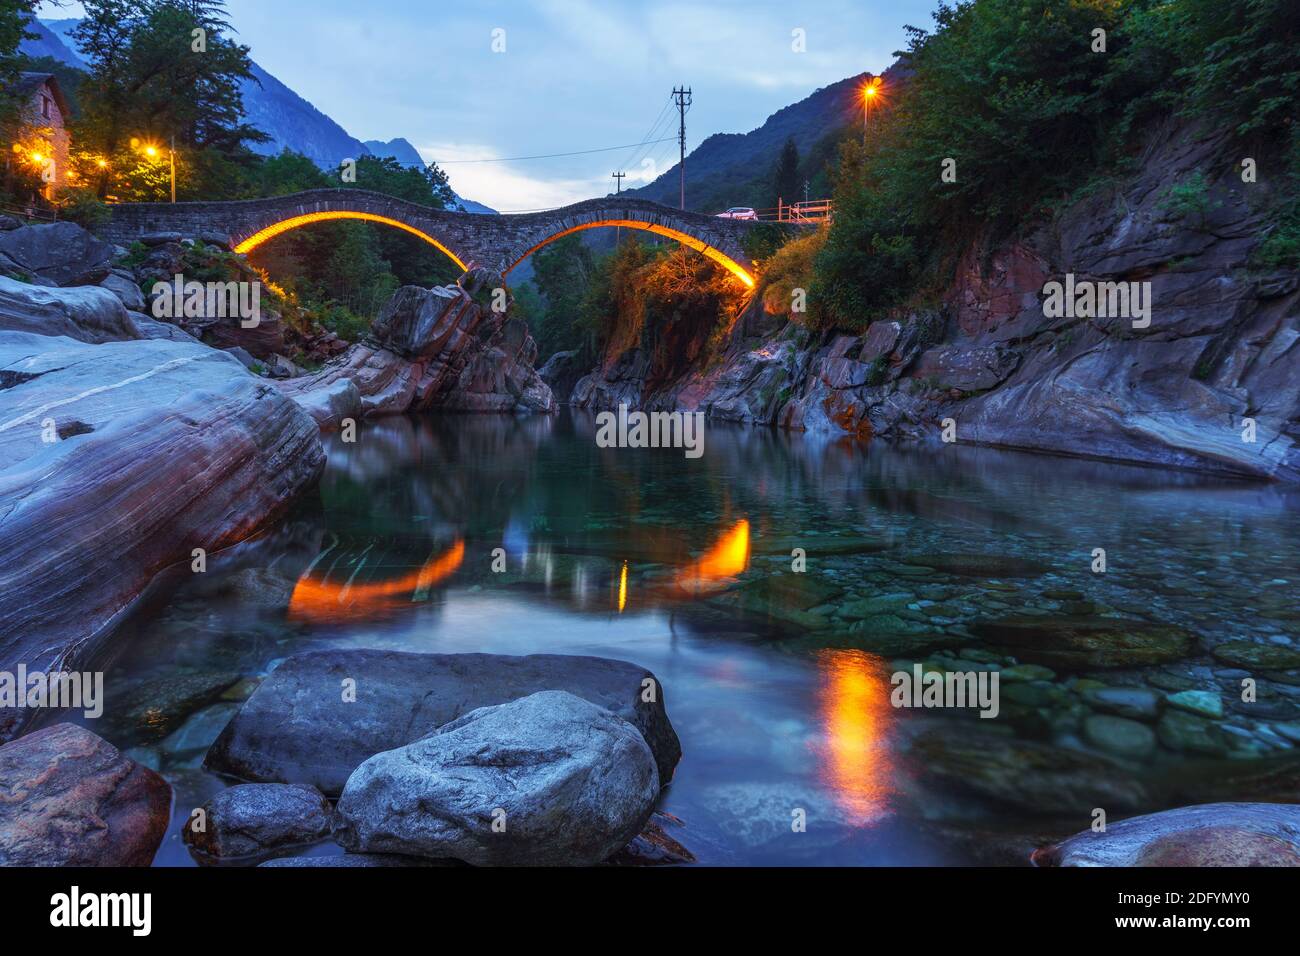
(777,680)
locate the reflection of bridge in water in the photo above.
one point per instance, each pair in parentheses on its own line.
(497,242)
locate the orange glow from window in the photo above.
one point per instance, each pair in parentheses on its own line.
(270,232)
(622,589)
(324,601)
(703,247)
(720,564)
(855,711)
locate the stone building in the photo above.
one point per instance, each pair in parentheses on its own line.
(43,138)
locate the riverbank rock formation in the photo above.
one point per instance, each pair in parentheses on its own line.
(1211,384)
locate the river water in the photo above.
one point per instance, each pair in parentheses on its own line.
(778,680)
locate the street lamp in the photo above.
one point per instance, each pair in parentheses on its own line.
(152,151)
(871,95)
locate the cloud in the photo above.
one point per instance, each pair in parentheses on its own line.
(506,187)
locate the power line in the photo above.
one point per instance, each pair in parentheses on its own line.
(650,134)
(513,159)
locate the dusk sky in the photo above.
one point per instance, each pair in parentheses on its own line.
(575,75)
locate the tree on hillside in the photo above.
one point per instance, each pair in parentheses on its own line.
(13,17)
(785,176)
(162,72)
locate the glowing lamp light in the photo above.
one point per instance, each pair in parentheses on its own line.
(279,228)
(151,151)
(735,268)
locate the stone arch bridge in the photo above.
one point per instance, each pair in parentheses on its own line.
(497,242)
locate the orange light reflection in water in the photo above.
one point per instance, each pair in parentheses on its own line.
(323,601)
(855,711)
(720,564)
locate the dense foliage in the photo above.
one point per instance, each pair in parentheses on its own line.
(1012,95)
(668,300)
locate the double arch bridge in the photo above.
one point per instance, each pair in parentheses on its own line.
(471,240)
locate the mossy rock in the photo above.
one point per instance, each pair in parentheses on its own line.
(1086,643)
(1257,657)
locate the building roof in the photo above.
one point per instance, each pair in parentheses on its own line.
(28,83)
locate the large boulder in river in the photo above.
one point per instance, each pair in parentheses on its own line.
(88,314)
(61,252)
(257,818)
(69,798)
(1214,834)
(116,462)
(445,347)
(301,727)
(547,780)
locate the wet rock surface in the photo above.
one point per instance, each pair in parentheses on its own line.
(1222,834)
(88,525)
(69,798)
(549,779)
(298,728)
(257,818)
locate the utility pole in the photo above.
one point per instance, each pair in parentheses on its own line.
(618,230)
(682,97)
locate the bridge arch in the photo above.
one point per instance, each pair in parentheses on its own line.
(685,238)
(305,219)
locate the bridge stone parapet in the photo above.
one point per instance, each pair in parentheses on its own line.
(498,242)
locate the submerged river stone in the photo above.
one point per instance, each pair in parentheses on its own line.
(1216,834)
(1036,778)
(547,780)
(981,565)
(1086,643)
(255,818)
(302,724)
(1256,657)
(69,798)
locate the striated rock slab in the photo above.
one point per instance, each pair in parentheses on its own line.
(160,448)
(256,818)
(88,314)
(546,780)
(69,798)
(1215,834)
(297,728)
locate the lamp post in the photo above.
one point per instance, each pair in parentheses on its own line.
(870,99)
(151,151)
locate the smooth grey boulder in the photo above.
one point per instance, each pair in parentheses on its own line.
(297,727)
(330,404)
(157,448)
(125,289)
(62,252)
(256,818)
(1212,834)
(147,327)
(87,313)
(547,780)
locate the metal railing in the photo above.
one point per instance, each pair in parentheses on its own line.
(29,212)
(807,213)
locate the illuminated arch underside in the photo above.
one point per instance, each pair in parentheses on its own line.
(726,262)
(294,222)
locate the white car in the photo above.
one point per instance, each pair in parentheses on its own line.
(738,212)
